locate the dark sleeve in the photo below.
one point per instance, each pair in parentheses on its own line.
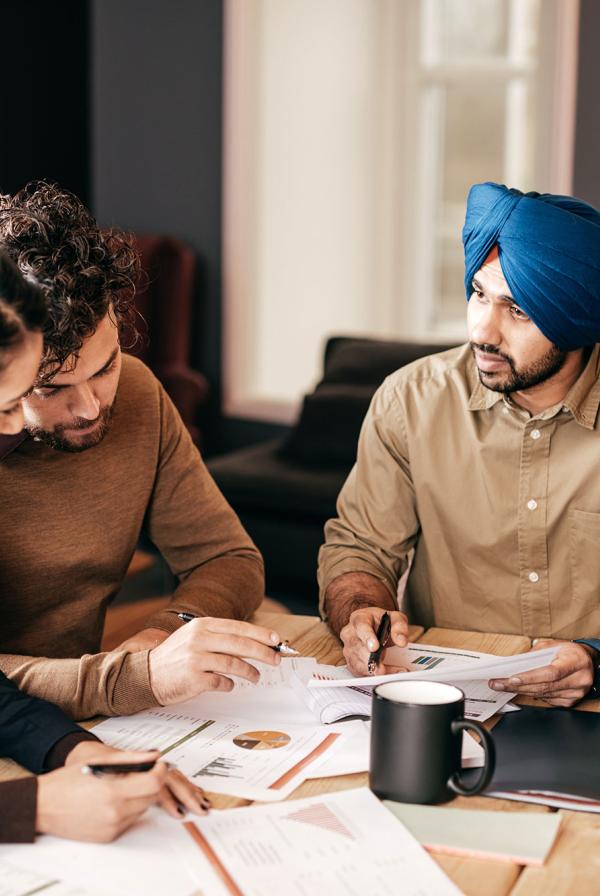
(57,755)
(17,810)
(30,728)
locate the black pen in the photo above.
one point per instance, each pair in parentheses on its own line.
(283,647)
(117,768)
(383,633)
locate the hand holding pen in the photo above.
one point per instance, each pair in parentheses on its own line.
(383,634)
(282,647)
(206,653)
(367,634)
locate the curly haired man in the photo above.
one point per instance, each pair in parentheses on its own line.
(105,455)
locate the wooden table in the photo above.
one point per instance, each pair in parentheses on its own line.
(573,866)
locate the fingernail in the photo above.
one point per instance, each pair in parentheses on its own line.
(515,682)
(496,685)
(275,638)
(371,644)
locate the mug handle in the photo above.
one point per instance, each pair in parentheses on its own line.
(454,782)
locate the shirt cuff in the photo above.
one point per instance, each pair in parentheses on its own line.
(18,803)
(56,755)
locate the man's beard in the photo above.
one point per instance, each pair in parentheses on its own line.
(59,439)
(519,380)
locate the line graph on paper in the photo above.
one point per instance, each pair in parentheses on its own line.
(319,815)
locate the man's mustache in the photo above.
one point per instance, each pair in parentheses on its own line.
(491,350)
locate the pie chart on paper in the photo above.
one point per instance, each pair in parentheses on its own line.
(262,740)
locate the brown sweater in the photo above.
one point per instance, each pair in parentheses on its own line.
(70,525)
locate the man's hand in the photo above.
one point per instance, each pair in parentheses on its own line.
(201,655)
(359,638)
(144,640)
(563,683)
(176,796)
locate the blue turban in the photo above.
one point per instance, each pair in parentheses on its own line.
(549,251)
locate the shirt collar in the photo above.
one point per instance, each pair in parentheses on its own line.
(481,398)
(582,399)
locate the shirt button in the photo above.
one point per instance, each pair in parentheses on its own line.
(533,577)
(505,411)
(532,504)
(535,433)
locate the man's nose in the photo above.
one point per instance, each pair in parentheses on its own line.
(84,403)
(486,330)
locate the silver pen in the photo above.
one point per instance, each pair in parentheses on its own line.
(283,647)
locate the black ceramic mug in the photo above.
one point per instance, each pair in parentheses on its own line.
(416,740)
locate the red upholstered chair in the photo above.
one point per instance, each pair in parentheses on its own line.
(165,301)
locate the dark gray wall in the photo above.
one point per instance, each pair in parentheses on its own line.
(586,183)
(156,135)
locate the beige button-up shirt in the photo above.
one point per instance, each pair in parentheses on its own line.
(497,511)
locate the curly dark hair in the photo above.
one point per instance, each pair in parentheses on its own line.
(22,306)
(84,272)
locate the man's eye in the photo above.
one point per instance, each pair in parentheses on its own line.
(106,370)
(518,313)
(46,393)
(10,411)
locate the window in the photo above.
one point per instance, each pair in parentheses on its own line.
(353,129)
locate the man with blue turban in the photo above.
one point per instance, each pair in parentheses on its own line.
(478,469)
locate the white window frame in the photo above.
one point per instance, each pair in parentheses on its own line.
(410,157)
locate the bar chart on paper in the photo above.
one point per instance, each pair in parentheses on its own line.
(220,767)
(427,662)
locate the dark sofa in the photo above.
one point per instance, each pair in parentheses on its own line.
(284,490)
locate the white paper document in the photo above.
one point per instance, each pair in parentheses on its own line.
(469,670)
(262,758)
(147,860)
(354,701)
(330,845)
(16,881)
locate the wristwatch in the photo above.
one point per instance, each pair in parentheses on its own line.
(594,643)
